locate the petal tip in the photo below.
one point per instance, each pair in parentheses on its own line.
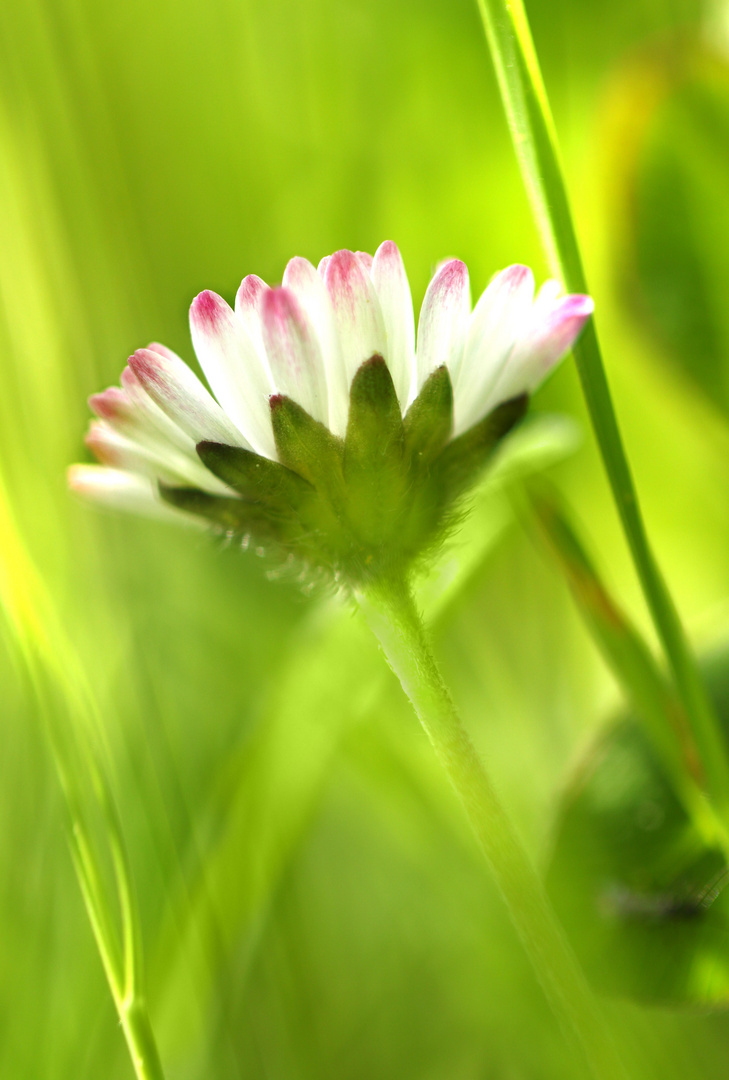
(515,276)
(75,477)
(388,248)
(145,364)
(250,291)
(452,272)
(109,404)
(206,310)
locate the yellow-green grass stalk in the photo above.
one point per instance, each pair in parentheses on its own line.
(527,109)
(69,716)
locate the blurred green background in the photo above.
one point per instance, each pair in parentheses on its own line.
(312,902)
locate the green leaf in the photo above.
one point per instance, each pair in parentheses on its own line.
(640,891)
(656,702)
(429,420)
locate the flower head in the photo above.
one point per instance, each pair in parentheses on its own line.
(331,437)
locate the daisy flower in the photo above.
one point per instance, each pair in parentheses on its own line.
(333,434)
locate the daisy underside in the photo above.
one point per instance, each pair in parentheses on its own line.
(333,439)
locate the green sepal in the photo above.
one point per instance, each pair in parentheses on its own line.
(254,477)
(429,420)
(229,513)
(361,508)
(374,469)
(464,457)
(375,427)
(306,446)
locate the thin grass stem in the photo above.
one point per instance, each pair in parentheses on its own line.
(532,129)
(68,713)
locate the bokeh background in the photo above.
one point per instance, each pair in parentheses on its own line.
(312,902)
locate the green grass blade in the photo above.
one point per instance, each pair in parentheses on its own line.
(634,667)
(532,129)
(67,708)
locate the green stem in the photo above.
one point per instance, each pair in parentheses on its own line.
(140,1040)
(527,109)
(122,965)
(391,614)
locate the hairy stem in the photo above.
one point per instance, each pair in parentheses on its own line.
(392,616)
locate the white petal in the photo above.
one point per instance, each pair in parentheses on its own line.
(393,291)
(148,416)
(308,287)
(550,335)
(236,372)
(322,267)
(124,491)
(180,394)
(359,322)
(114,406)
(444,321)
(366,259)
(550,291)
(500,316)
(132,411)
(136,435)
(248,307)
(293,351)
(158,463)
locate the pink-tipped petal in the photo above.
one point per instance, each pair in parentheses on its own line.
(366,259)
(131,412)
(180,394)
(121,490)
(104,442)
(444,320)
(541,349)
(157,347)
(322,267)
(111,486)
(560,331)
(156,461)
(497,322)
(236,372)
(112,405)
(120,452)
(249,307)
(307,285)
(294,353)
(393,291)
(149,423)
(358,319)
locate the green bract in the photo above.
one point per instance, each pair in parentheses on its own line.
(361,507)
